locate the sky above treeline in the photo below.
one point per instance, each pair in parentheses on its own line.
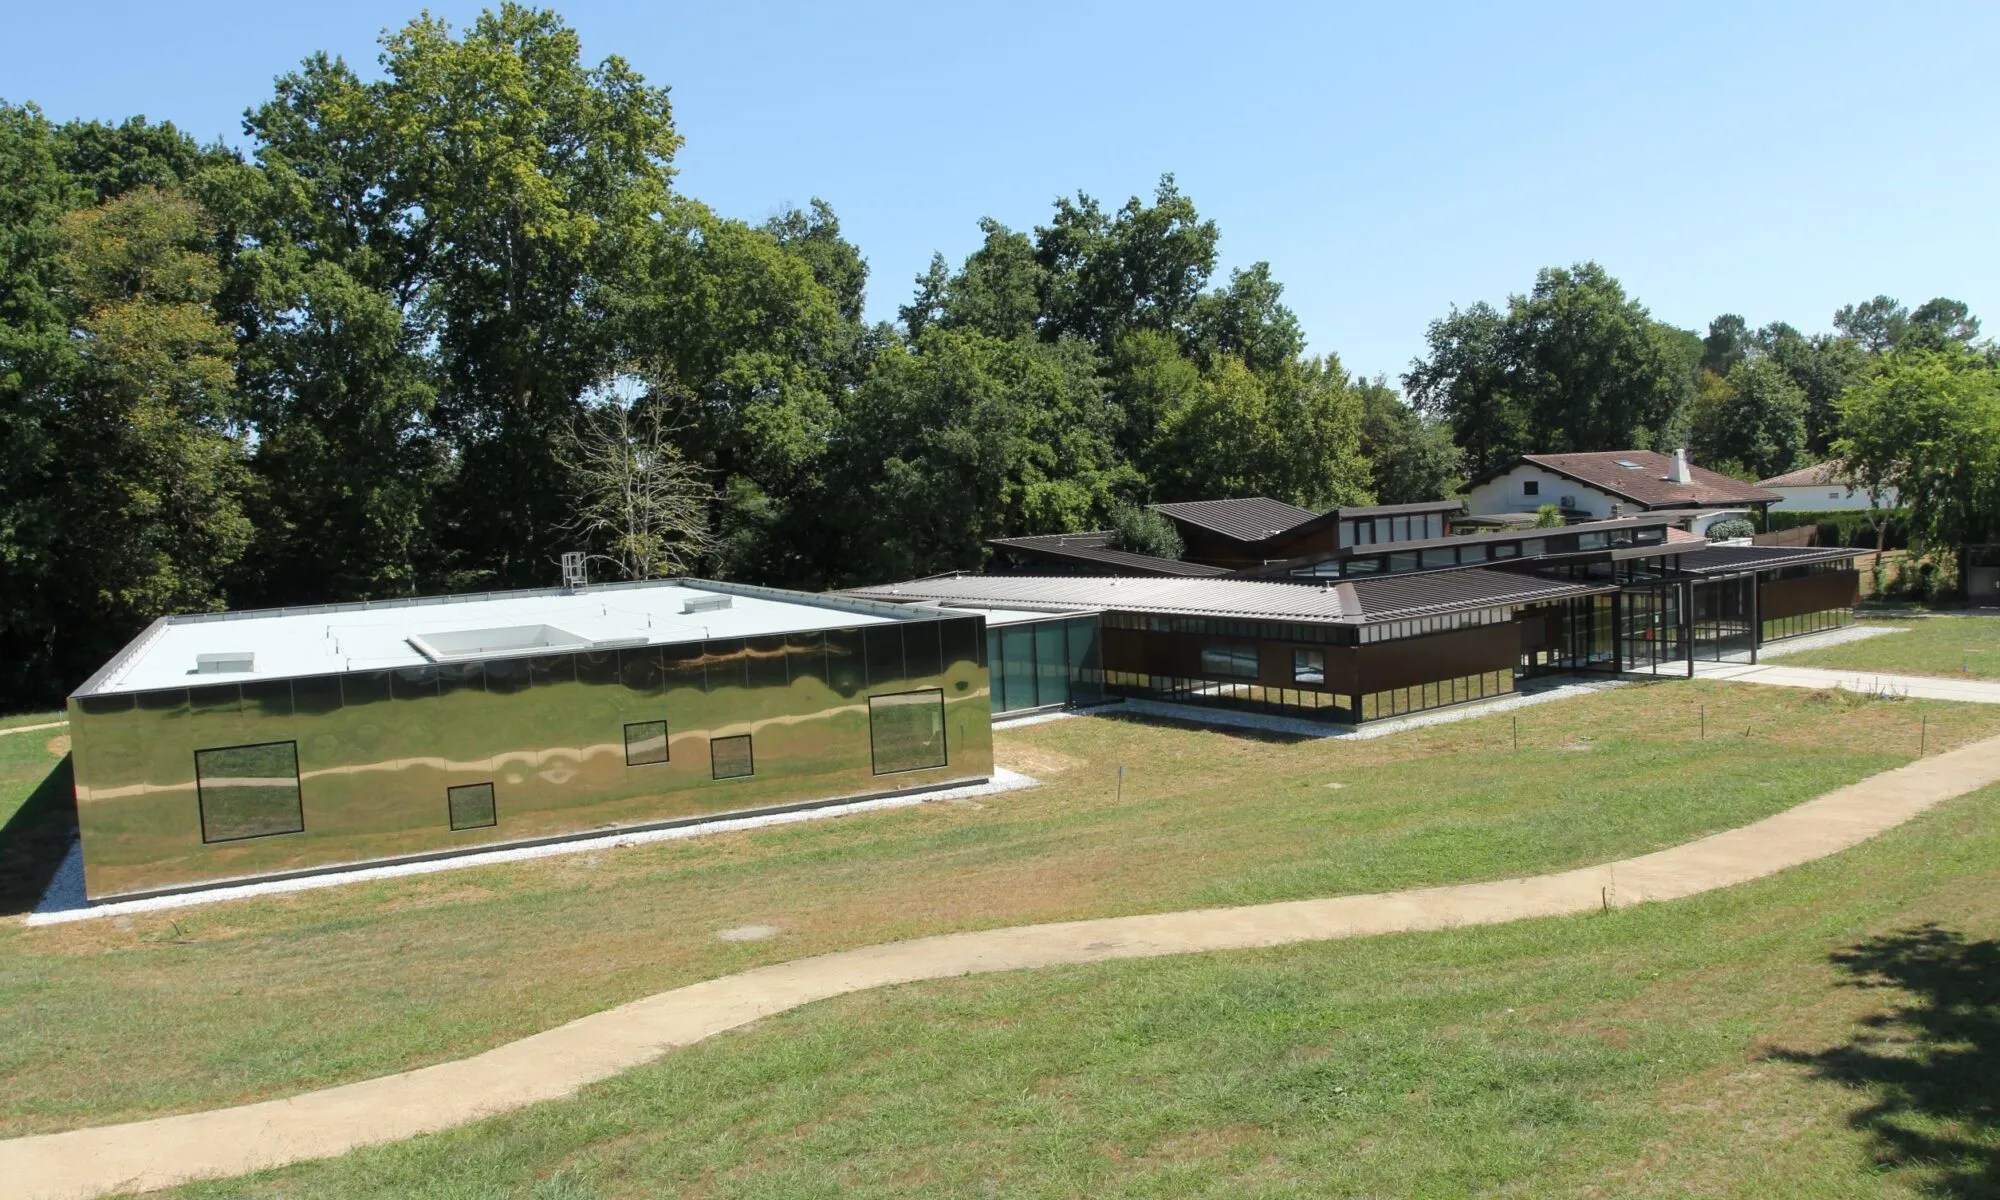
(1389,161)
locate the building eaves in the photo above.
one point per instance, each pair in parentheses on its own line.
(1646,481)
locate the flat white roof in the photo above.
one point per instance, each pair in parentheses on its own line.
(1012,616)
(330,639)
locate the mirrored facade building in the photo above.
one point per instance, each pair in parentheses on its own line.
(234,746)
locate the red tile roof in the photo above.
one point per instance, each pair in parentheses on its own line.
(1645,481)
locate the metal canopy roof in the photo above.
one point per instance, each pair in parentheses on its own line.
(1095,549)
(1354,602)
(1725,560)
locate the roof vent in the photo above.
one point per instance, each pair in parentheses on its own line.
(705,604)
(234,662)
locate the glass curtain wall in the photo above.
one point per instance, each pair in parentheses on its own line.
(1649,628)
(1722,619)
(1036,664)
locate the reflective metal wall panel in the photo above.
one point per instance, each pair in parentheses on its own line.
(569,744)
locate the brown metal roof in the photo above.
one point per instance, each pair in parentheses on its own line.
(1354,602)
(1391,510)
(1094,550)
(1250,519)
(1418,545)
(1646,482)
(1723,560)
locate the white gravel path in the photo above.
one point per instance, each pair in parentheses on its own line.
(64,899)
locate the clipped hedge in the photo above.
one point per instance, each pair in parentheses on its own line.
(1845,527)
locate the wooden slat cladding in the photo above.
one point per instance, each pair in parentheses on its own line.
(1813,593)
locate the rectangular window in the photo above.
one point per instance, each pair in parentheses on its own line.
(1402,562)
(906,730)
(1591,541)
(1472,554)
(1238,661)
(731,757)
(645,743)
(1443,556)
(1534,548)
(471,806)
(1530,487)
(1309,667)
(248,791)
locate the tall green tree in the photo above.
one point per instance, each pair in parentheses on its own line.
(1927,423)
(1758,423)
(1574,364)
(1410,456)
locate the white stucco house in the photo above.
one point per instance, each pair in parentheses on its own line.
(1824,487)
(1603,484)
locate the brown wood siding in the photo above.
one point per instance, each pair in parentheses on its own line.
(1813,593)
(1385,665)
(1178,655)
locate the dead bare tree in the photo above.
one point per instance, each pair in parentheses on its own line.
(641,504)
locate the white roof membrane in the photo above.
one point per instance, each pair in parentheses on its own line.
(336,638)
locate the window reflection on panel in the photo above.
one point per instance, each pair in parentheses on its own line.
(544,670)
(922,650)
(1309,667)
(645,743)
(268,697)
(363,687)
(843,661)
(170,700)
(413,683)
(505,676)
(316,695)
(215,700)
(248,791)
(805,655)
(959,641)
(882,645)
(724,659)
(471,806)
(731,757)
(598,667)
(640,670)
(461,677)
(684,667)
(765,662)
(906,731)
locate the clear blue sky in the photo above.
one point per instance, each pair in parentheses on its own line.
(1388,160)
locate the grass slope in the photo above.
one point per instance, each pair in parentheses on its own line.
(1831,1031)
(1962,647)
(130,1017)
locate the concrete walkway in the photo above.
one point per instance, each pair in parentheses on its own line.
(1924,687)
(551,1065)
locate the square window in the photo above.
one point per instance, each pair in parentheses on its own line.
(645,743)
(731,757)
(1309,667)
(906,730)
(1531,487)
(471,806)
(248,791)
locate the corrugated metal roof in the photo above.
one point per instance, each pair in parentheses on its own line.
(1250,519)
(1719,560)
(1094,549)
(1349,603)
(1390,510)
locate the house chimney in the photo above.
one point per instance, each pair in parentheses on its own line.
(1678,473)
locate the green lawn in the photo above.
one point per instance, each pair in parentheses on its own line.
(124,1018)
(16,720)
(1966,647)
(37,812)
(1833,1031)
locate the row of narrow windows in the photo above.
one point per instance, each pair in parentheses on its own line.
(253,791)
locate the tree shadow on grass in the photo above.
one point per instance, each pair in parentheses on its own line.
(1930,1064)
(35,839)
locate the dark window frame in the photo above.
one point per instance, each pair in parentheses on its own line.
(1233,652)
(201,798)
(451,795)
(944,740)
(666,743)
(749,756)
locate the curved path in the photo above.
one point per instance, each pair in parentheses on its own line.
(548,1066)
